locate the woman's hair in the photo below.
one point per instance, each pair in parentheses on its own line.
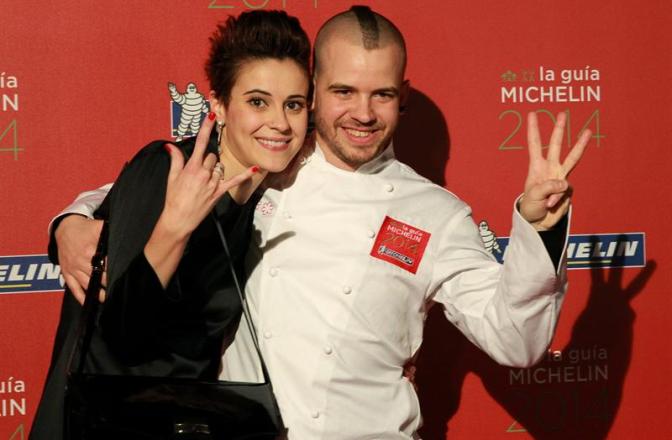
(253,35)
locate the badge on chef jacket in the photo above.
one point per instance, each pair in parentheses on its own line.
(265,207)
(400,244)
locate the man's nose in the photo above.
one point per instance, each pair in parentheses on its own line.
(363,111)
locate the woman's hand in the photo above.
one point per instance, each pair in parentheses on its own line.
(192,191)
(194,188)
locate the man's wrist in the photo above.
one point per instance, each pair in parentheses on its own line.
(52,248)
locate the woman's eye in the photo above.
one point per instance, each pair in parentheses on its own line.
(256,102)
(295,106)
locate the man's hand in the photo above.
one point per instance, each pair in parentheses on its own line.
(547,192)
(77,238)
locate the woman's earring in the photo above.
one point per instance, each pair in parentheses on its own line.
(220,129)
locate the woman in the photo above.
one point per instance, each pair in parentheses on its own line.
(171,303)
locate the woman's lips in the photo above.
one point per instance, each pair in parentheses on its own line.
(274,144)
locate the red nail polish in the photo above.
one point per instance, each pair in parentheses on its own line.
(255,169)
(211,116)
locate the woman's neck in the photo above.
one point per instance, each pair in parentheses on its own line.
(232,167)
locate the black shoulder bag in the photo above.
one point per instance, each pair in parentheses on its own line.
(107,407)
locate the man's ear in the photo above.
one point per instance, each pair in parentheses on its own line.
(404,92)
(313,93)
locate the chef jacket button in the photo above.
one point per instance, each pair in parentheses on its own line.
(328,350)
(273,272)
(268,335)
(371,233)
(389,187)
(315,414)
(347,290)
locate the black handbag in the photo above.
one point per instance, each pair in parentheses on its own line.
(123,407)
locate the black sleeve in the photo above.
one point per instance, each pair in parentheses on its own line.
(554,241)
(133,317)
(129,315)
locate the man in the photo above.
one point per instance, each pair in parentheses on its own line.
(358,247)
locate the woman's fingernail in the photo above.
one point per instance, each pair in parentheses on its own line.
(255,169)
(211,116)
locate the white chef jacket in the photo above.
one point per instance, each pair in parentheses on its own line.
(336,324)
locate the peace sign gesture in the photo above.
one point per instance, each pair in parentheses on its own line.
(547,192)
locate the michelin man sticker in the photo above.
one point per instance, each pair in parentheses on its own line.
(489,238)
(187,110)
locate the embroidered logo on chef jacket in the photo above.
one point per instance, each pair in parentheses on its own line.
(400,244)
(265,207)
(489,238)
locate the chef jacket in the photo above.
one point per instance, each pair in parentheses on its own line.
(352,262)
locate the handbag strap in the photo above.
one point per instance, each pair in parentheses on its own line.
(84,331)
(243,300)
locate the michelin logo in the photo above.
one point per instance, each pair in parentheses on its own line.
(585,251)
(187,110)
(489,238)
(384,250)
(29,273)
(606,250)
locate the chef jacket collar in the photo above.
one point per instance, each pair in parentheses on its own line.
(373,166)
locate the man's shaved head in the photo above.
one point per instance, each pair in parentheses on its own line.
(359,63)
(360,26)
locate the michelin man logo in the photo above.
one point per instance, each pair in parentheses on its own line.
(188,109)
(489,238)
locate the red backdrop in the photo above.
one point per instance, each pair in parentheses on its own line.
(84,84)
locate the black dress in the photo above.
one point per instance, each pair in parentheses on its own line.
(142,328)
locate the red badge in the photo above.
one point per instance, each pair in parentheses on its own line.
(400,244)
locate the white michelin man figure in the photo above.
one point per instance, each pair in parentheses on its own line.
(489,238)
(193,105)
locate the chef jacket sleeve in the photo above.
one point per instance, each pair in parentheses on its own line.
(510,311)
